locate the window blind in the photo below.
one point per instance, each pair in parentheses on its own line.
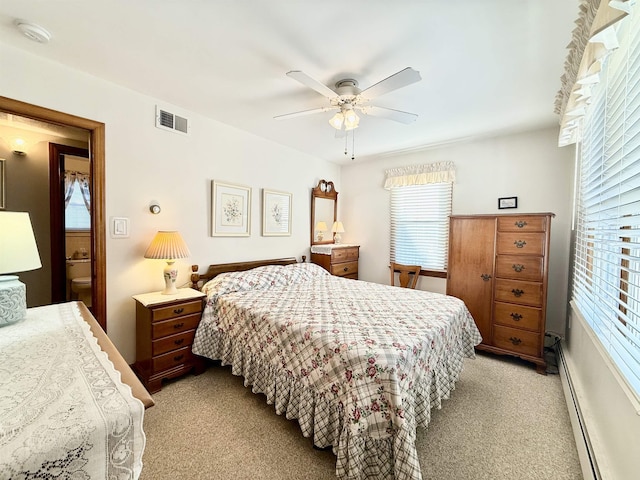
(420,224)
(606,272)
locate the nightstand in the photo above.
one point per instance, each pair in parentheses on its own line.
(339,259)
(165,327)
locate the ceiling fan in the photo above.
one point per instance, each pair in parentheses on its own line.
(347,99)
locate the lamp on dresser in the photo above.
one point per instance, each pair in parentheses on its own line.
(321,227)
(337,229)
(18,253)
(168,246)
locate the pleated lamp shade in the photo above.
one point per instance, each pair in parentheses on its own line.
(168,246)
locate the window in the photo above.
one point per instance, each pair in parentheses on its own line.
(420,210)
(77,201)
(606,272)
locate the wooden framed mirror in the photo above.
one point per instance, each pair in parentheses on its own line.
(324,211)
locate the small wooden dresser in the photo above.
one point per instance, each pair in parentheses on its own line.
(340,260)
(498,264)
(165,327)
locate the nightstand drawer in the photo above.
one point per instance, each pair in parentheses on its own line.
(344,269)
(347,254)
(171,359)
(515,340)
(172,311)
(173,326)
(172,342)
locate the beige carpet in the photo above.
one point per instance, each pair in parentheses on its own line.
(503,421)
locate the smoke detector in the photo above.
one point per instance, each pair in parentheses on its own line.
(33,32)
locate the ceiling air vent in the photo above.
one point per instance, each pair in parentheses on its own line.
(170,121)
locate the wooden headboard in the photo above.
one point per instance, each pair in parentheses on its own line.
(197,279)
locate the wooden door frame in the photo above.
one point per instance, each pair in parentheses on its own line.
(98,221)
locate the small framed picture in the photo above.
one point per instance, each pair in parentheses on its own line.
(276,213)
(230,210)
(508,202)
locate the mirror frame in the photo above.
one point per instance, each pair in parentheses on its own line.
(324,190)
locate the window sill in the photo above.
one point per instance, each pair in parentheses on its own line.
(433,273)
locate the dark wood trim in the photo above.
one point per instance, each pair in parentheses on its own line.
(57,219)
(433,273)
(98,221)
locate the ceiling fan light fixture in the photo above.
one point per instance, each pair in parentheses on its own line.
(351,120)
(337,120)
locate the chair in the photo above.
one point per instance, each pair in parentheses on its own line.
(408,274)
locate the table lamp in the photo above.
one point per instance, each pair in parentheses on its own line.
(321,227)
(168,246)
(337,229)
(18,253)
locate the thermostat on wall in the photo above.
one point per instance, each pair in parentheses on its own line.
(119,227)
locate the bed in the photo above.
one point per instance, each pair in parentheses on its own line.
(70,407)
(359,365)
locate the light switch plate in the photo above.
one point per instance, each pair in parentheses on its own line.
(119,227)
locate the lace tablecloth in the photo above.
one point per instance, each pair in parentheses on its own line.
(64,413)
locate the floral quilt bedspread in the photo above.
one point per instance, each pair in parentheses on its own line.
(359,364)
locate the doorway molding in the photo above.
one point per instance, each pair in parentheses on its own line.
(98,221)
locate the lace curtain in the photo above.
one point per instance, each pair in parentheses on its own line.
(70,180)
(419,175)
(592,39)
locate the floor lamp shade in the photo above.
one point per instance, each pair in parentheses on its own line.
(168,246)
(18,253)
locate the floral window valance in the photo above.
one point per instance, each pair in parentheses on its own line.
(592,39)
(419,175)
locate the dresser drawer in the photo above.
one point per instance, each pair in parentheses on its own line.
(171,359)
(519,267)
(172,342)
(173,326)
(516,340)
(172,311)
(347,254)
(520,243)
(344,269)
(513,291)
(517,316)
(522,223)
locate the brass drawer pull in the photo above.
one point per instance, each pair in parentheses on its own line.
(346,269)
(515,340)
(520,224)
(516,316)
(517,267)
(486,277)
(178,310)
(178,325)
(517,292)
(519,243)
(181,341)
(177,358)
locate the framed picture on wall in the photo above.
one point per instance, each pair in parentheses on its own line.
(508,202)
(2,194)
(230,210)
(276,213)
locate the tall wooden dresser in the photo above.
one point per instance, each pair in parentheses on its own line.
(498,264)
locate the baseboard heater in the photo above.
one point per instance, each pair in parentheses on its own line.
(583,444)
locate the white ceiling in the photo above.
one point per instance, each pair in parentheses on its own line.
(487,66)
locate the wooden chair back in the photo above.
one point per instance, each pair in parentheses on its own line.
(408,277)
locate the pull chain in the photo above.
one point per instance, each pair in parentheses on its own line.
(353,145)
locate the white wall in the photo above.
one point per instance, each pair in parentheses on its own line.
(611,418)
(144,163)
(527,165)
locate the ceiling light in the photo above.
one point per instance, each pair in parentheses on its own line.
(33,32)
(336,121)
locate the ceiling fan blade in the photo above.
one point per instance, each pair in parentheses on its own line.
(304,112)
(389,113)
(305,79)
(397,80)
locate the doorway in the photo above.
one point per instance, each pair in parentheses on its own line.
(98,222)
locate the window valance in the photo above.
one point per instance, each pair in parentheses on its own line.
(441,172)
(592,39)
